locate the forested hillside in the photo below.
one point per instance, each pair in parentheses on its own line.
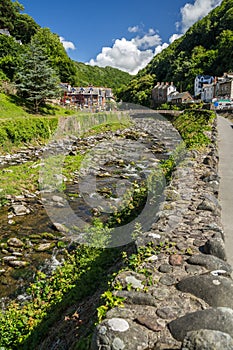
(207,47)
(24,30)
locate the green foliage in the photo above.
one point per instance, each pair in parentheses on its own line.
(36,80)
(193,126)
(98,76)
(19,130)
(84,268)
(138,91)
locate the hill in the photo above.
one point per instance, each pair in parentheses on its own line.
(206,48)
(98,76)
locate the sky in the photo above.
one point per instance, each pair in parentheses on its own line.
(124,34)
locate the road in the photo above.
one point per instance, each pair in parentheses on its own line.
(225,144)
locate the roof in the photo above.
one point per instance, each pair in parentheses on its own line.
(182,95)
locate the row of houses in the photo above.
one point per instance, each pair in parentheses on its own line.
(218,90)
(167,92)
(209,89)
(91,97)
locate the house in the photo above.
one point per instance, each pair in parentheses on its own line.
(161,92)
(88,97)
(208,92)
(182,97)
(224,88)
(201,80)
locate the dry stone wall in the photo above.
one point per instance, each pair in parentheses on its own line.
(186,303)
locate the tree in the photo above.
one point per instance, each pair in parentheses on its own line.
(57,56)
(36,80)
(24,28)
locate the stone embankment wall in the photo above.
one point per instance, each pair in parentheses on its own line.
(186,302)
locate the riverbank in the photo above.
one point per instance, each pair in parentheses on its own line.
(178,291)
(161,260)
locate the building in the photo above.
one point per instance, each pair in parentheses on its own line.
(161,92)
(93,98)
(224,88)
(182,97)
(208,92)
(200,81)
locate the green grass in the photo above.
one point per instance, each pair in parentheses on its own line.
(10,109)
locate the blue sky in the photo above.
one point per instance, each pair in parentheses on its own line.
(124,34)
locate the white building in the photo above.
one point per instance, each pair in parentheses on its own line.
(201,80)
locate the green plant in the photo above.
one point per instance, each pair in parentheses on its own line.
(110,301)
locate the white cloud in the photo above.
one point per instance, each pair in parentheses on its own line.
(192,13)
(68,45)
(129,55)
(134,29)
(174,37)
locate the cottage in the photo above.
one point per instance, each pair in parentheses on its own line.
(183,97)
(161,92)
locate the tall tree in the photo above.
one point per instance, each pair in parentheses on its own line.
(36,80)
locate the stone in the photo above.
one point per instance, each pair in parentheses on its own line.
(138,298)
(17,263)
(218,319)
(210,262)
(151,324)
(216,247)
(57,199)
(167,313)
(134,282)
(176,260)
(167,280)
(42,247)
(60,227)
(165,268)
(118,344)
(118,324)
(215,290)
(205,339)
(20,209)
(209,203)
(15,242)
(135,337)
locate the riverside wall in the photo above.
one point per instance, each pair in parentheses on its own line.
(180,298)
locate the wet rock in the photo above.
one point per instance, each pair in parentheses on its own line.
(43,247)
(20,209)
(15,242)
(219,319)
(205,339)
(60,227)
(17,263)
(215,290)
(210,262)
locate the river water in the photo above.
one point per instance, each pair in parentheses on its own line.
(114,162)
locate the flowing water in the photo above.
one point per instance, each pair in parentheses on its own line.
(113,163)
